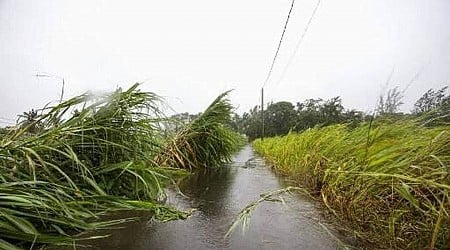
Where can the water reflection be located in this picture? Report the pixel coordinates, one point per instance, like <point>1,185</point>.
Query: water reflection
<point>218,196</point>
<point>208,190</point>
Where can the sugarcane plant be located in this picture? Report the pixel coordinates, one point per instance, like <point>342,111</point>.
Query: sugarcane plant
<point>94,154</point>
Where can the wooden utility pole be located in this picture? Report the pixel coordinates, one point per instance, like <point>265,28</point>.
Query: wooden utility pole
<point>262,113</point>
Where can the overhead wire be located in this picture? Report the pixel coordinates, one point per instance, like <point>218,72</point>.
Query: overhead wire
<point>279,45</point>
<point>299,42</point>
<point>278,50</point>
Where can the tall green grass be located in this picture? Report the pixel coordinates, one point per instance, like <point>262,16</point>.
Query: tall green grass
<point>205,142</point>
<point>388,180</point>
<point>91,155</point>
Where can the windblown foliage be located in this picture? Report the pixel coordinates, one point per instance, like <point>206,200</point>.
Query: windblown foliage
<point>207,141</point>
<point>390,181</point>
<point>94,154</point>
<point>282,117</point>
<point>434,105</point>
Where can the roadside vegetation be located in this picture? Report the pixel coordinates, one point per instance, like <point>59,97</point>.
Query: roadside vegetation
<point>389,181</point>
<point>387,177</point>
<point>202,142</point>
<point>282,117</point>
<point>63,167</point>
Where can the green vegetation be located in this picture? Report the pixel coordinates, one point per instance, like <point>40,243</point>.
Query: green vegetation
<point>282,117</point>
<point>386,175</point>
<point>67,165</point>
<point>63,167</point>
<point>434,105</point>
<point>204,142</point>
<point>389,181</point>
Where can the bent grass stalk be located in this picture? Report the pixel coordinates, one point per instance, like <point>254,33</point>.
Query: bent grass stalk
<point>245,214</point>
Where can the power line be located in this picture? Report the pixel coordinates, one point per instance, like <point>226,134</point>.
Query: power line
<point>279,45</point>
<point>297,46</point>
<point>271,67</point>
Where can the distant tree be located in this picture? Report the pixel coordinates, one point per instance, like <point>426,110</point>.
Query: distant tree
<point>434,106</point>
<point>252,124</point>
<point>332,111</point>
<point>30,121</point>
<point>280,117</point>
<point>236,123</point>
<point>178,121</point>
<point>353,117</point>
<point>185,117</point>
<point>315,112</point>
<point>390,104</point>
<point>308,114</point>
<point>431,100</point>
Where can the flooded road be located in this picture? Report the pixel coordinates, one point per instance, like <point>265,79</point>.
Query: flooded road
<point>218,196</point>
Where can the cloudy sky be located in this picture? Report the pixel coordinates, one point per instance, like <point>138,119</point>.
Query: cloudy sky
<point>190,51</point>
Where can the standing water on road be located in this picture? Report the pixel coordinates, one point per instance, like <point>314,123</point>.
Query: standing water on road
<point>218,196</point>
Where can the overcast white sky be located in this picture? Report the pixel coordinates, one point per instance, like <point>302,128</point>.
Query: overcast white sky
<point>190,51</point>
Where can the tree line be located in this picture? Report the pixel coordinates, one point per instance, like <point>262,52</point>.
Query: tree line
<point>282,117</point>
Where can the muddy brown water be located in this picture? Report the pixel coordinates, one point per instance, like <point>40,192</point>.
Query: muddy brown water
<point>218,196</point>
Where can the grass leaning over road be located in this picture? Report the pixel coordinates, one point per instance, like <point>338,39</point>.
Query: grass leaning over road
<point>390,181</point>
<point>205,142</point>
<point>90,155</point>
